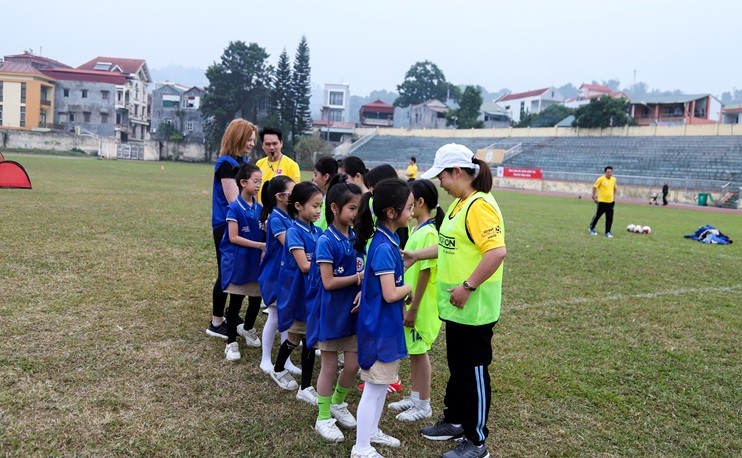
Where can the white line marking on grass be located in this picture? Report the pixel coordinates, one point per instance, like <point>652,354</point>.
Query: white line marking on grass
<point>619,297</point>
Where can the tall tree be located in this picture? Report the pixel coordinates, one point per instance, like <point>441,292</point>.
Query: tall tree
<point>301,90</point>
<point>548,117</point>
<point>467,114</point>
<point>237,86</point>
<point>281,107</point>
<point>422,82</point>
<point>605,111</point>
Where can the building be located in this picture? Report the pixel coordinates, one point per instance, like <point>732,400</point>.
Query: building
<point>130,99</point>
<point>26,97</point>
<point>180,107</point>
<point>516,104</point>
<point>732,114</point>
<point>672,109</point>
<point>587,92</point>
<point>336,103</point>
<point>428,115</point>
<point>37,62</point>
<point>376,114</point>
<point>493,115</point>
<point>85,99</point>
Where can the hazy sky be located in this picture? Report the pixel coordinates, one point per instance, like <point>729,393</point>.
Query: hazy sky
<point>691,45</point>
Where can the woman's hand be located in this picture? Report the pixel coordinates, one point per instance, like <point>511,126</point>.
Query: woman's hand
<point>459,296</point>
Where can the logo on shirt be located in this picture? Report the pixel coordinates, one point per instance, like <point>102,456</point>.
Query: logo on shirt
<point>245,229</point>
<point>279,171</point>
<point>359,264</point>
<point>446,242</point>
<point>339,270</point>
<point>399,280</point>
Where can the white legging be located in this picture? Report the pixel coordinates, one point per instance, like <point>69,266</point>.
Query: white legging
<point>269,335</point>
<point>369,413</point>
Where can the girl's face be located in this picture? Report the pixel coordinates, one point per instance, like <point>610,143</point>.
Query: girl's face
<point>404,217</point>
<point>418,207</point>
<point>347,214</point>
<point>312,209</point>
<point>321,179</point>
<point>282,198</point>
<point>252,184</point>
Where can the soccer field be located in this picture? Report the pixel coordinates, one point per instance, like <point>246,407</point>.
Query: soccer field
<point>606,347</point>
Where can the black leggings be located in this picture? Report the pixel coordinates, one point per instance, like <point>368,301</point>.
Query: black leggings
<point>219,297</point>
<point>233,313</point>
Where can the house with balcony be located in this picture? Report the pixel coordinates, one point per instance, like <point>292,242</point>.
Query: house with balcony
<point>428,115</point>
<point>588,92</point>
<point>517,104</point>
<point>376,114</point>
<point>26,97</point>
<point>180,107</point>
<point>131,98</point>
<point>334,124</point>
<point>676,109</point>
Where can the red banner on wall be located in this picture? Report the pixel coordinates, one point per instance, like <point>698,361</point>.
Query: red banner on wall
<point>509,172</point>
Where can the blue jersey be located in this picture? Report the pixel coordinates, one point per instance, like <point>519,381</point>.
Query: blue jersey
<point>330,318</point>
<point>240,264</point>
<point>295,290</point>
<point>380,329</point>
<point>277,224</point>
<point>219,203</point>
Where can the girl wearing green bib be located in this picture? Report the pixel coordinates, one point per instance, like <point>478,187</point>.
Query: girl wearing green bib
<point>470,252</point>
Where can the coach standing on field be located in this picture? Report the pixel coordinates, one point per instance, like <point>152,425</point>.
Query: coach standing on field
<point>604,192</point>
<point>275,162</point>
<point>470,252</point>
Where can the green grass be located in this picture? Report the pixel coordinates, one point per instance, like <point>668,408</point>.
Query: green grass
<point>622,347</point>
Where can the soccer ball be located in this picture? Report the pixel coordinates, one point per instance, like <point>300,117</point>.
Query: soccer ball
<point>646,230</point>
<point>638,229</point>
<point>630,228</point>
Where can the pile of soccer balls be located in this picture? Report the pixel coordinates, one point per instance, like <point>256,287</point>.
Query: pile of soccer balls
<point>639,229</point>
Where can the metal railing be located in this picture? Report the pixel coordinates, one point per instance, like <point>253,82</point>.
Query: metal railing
<point>361,141</point>
<point>635,180</point>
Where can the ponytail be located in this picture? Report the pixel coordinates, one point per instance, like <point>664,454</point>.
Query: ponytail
<point>439,215</point>
<point>363,224</point>
<point>426,190</point>
<point>483,181</point>
<point>268,194</point>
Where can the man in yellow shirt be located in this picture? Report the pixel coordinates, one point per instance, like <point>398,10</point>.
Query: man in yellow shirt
<point>604,191</point>
<point>411,171</point>
<point>275,162</point>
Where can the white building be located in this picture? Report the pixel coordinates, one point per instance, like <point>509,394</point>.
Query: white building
<point>336,103</point>
<point>529,102</point>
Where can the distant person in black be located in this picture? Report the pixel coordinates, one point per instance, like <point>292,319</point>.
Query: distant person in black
<point>665,191</point>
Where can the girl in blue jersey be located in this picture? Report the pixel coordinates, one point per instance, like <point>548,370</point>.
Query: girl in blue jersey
<point>275,197</point>
<point>381,339</point>
<point>421,316</point>
<point>332,319</point>
<point>241,249</point>
<point>295,289</point>
<point>325,177</point>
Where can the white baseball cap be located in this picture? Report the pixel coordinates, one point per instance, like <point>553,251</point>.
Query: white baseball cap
<point>449,156</point>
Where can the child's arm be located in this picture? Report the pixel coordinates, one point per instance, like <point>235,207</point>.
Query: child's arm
<point>234,237</point>
<point>281,238</point>
<point>301,259</point>
<point>390,291</point>
<point>331,282</point>
<point>411,315</point>
<point>411,257</point>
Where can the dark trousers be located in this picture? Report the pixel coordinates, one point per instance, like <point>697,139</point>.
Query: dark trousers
<point>233,314</point>
<point>219,297</point>
<point>607,208</point>
<point>664,198</point>
<point>468,393</point>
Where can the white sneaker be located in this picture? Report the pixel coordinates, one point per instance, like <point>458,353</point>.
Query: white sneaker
<point>293,370</point>
<point>284,380</point>
<point>341,413</point>
<point>266,366</point>
<point>318,353</point>
<point>308,395</point>
<point>328,430</point>
<point>368,453</point>
<point>384,439</point>
<point>415,414</point>
<point>404,404</point>
<point>251,337</point>
<point>232,352</point>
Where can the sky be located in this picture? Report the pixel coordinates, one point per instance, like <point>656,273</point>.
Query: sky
<point>521,45</point>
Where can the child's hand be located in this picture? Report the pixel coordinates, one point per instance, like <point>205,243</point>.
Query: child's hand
<point>410,316</point>
<point>356,303</point>
<point>408,298</point>
<point>409,258</point>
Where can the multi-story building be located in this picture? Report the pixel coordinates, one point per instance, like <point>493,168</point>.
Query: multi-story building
<point>676,109</point>
<point>179,106</point>
<point>517,104</point>
<point>588,92</point>
<point>336,103</point>
<point>130,99</point>
<point>26,97</point>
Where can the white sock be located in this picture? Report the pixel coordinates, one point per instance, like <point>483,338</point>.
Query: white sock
<point>368,414</point>
<point>415,396</point>
<point>269,334</point>
<point>423,404</point>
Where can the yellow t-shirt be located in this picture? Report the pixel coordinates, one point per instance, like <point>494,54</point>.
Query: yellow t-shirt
<point>483,224</point>
<point>606,188</point>
<point>411,171</point>
<point>284,166</point>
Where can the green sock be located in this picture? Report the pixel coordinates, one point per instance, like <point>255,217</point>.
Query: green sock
<point>338,397</point>
<point>323,403</point>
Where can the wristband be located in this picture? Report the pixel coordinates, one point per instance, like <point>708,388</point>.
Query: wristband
<point>469,287</point>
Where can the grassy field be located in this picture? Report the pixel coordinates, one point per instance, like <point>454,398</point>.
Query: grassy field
<point>606,347</point>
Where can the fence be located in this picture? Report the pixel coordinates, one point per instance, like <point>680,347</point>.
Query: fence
<point>645,181</point>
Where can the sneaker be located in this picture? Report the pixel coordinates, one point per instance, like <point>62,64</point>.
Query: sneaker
<point>442,431</point>
<point>341,413</point>
<point>232,352</point>
<point>284,380</point>
<point>609,235</point>
<point>308,395</point>
<point>217,331</point>
<point>251,337</point>
<point>395,387</point>
<point>466,449</point>
<point>415,414</point>
<point>384,439</point>
<point>404,404</point>
<point>293,370</point>
<point>328,430</point>
<point>368,453</point>
<point>592,231</point>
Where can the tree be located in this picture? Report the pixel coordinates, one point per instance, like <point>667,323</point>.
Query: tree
<point>281,107</point>
<point>425,81</point>
<point>308,148</point>
<point>301,91</point>
<point>605,111</point>
<point>467,114</point>
<point>237,85</point>
<point>548,117</point>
